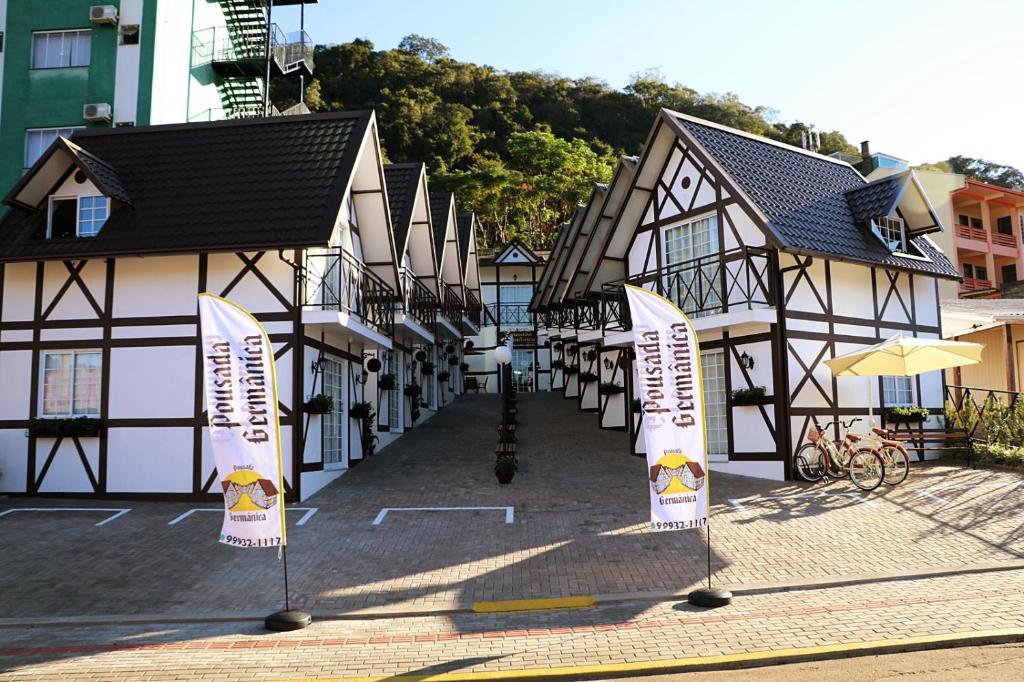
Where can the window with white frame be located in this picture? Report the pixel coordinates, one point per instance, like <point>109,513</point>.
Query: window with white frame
<point>71,383</point>
<point>38,140</point>
<point>77,216</point>
<point>695,288</point>
<point>715,418</point>
<point>897,391</point>
<point>60,49</point>
<point>892,232</point>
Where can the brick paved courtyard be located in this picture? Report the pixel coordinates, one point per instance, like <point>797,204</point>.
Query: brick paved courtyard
<point>578,527</point>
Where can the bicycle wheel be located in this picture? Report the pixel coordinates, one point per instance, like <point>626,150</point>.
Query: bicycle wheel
<point>867,470</point>
<point>837,462</point>
<point>810,463</point>
<point>897,464</point>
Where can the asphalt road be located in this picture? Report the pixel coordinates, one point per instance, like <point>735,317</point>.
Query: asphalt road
<point>995,663</point>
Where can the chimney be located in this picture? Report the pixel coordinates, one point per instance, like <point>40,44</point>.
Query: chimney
<point>865,151</point>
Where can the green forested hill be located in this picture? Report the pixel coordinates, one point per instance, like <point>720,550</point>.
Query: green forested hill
<point>518,148</point>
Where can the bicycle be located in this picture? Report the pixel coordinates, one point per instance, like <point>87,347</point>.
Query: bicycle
<point>823,457</point>
<point>894,456</point>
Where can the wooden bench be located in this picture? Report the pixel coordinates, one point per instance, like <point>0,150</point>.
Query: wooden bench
<point>946,440</point>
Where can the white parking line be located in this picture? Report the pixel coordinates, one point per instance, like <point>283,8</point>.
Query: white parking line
<point>509,511</point>
<point>302,522</point>
<point>115,513</point>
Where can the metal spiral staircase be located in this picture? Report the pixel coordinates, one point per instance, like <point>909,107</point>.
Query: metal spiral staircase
<point>238,54</point>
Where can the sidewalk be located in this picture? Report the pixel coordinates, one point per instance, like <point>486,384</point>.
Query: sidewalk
<point>470,643</point>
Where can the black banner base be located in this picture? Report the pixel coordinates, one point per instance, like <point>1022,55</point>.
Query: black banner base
<point>285,621</point>
<point>709,597</point>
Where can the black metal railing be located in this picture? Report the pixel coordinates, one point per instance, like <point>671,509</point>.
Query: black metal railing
<point>510,313</point>
<point>336,280</point>
<point>420,303</point>
<point>977,411</point>
<point>451,305</point>
<point>473,309</point>
<point>738,279</point>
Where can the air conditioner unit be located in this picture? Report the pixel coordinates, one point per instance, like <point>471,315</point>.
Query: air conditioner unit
<point>103,14</point>
<point>97,113</point>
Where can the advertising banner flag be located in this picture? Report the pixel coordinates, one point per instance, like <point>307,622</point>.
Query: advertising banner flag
<point>671,394</point>
<point>245,429</point>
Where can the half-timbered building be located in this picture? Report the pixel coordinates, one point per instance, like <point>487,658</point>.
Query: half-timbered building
<point>782,257</point>
<point>108,240</point>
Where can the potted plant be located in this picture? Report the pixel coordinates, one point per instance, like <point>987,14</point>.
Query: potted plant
<point>464,367</point>
<point>386,382</point>
<point>449,349</point>
<point>505,470</point>
<point>363,411</point>
<point>427,368</point>
<point>320,404</point>
<point>557,347</point>
<point>570,370</point>
<point>557,364</point>
<point>906,415</point>
<point>755,395</point>
<point>610,388</point>
<point>587,377</point>
<point>412,390</point>
<point>453,360</point>
<point>84,427</point>
<point>444,376</point>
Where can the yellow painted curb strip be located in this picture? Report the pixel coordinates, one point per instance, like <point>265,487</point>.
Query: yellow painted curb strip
<point>697,663</point>
<point>533,604</point>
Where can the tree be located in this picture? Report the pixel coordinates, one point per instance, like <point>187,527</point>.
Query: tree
<point>427,49</point>
<point>987,171</point>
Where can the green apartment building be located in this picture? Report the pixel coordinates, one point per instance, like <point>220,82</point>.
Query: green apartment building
<point>69,64</point>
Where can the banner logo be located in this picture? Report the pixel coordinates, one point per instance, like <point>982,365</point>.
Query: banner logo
<point>675,473</point>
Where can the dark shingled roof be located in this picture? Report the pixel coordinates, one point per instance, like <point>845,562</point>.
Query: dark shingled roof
<point>804,197</point>
<point>877,198</point>
<point>402,183</point>
<point>225,185</point>
<point>103,176</point>
<point>440,202</point>
<point>464,224</point>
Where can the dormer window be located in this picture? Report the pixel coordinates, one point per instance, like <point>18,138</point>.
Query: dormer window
<point>892,232</point>
<point>77,216</point>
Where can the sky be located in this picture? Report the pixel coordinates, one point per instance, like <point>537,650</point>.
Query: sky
<point>920,79</point>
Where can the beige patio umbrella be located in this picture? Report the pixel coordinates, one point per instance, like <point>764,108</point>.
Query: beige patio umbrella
<point>904,356</point>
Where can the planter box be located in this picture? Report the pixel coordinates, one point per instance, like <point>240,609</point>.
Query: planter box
<point>58,428</point>
<point>754,402</point>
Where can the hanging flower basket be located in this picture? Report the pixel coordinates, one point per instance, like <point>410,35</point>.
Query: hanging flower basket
<point>449,349</point>
<point>464,367</point>
<point>571,370</point>
<point>557,347</point>
<point>360,410</point>
<point>85,427</point>
<point>427,368</point>
<point>608,388</point>
<point>587,377</point>
<point>444,376</point>
<point>386,382</point>
<point>453,360</point>
<point>373,365</point>
<point>412,391</point>
<point>591,355</point>
<point>557,364</point>
<point>320,404</point>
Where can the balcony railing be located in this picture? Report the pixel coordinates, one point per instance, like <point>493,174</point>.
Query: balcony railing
<point>975,284</point>
<point>511,313</point>
<point>232,55</point>
<point>979,234</point>
<point>473,309</point>
<point>738,279</point>
<point>420,302</point>
<point>335,280</point>
<point>451,305</point>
